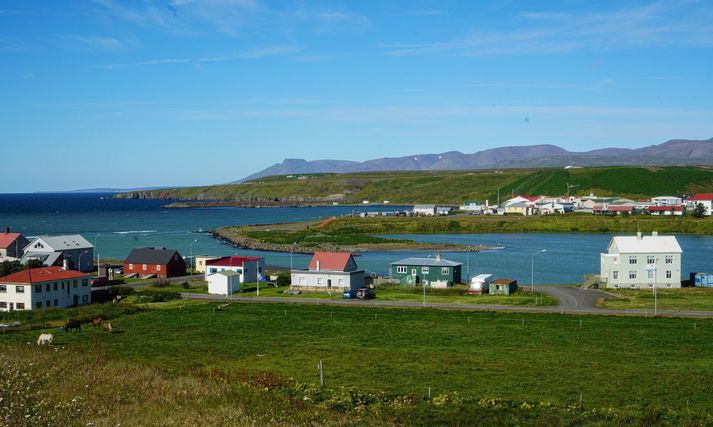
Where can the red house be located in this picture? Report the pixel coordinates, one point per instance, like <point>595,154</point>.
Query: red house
<point>161,262</point>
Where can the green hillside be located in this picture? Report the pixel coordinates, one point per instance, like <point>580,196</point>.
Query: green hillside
<point>451,187</point>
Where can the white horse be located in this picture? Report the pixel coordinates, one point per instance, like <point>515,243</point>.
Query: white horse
<point>45,339</point>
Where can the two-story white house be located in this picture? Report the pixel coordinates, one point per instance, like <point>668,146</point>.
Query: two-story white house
<point>327,272</point>
<point>46,287</point>
<point>705,199</point>
<point>53,250</point>
<point>249,268</point>
<point>642,262</point>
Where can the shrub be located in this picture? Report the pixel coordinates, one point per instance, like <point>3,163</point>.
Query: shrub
<point>156,296</point>
<point>284,279</point>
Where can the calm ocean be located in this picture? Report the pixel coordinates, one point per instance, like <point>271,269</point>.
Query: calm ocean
<point>117,226</point>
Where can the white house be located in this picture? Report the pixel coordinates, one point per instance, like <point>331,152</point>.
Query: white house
<point>474,207</point>
<point>425,210</point>
<point>46,287</point>
<point>443,210</point>
<point>329,271</point>
<point>200,262</point>
<point>249,268</point>
<point>642,262</point>
<point>667,201</point>
<point>705,199</point>
<point>224,282</point>
<point>52,250</point>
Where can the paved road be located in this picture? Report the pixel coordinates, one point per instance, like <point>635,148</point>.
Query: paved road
<point>575,305</point>
<point>573,298</point>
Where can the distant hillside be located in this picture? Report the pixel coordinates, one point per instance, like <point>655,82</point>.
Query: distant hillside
<point>674,152</point>
<point>452,187</point>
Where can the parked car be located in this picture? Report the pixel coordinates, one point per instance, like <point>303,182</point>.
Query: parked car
<point>365,293</point>
<point>100,281</point>
<point>348,294</point>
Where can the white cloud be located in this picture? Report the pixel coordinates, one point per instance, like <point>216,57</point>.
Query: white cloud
<point>660,24</point>
<point>95,42</point>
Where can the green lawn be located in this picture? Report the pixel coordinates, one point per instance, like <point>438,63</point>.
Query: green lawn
<point>629,364</point>
<point>668,299</point>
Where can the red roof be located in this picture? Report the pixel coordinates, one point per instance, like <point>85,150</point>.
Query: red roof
<point>331,261</point>
<point>38,275</point>
<point>503,281</point>
<point>702,197</point>
<point>620,208</point>
<point>231,261</point>
<point>530,198</point>
<point>664,208</point>
<point>7,239</point>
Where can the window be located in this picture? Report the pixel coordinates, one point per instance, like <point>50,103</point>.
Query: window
<point>632,274</point>
<point>669,259</point>
<point>424,270</point>
<point>85,298</point>
<point>38,289</point>
<point>668,274</point>
<point>632,259</point>
<point>20,305</point>
<point>48,303</point>
<point>650,260</point>
<point>131,266</point>
<point>341,283</point>
<point>401,269</point>
<point>445,271</point>
<point>669,285</point>
<point>302,280</point>
<point>212,270</point>
<point>54,286</point>
<point>158,268</point>
<point>144,267</point>
<point>650,274</point>
<point>615,275</point>
<point>74,285</point>
<point>56,302</point>
<point>85,282</point>
<point>48,287</point>
<point>319,281</point>
<point>19,289</point>
<point>3,289</point>
<point>38,304</point>
<point>3,304</point>
<point>616,286</point>
<point>632,286</point>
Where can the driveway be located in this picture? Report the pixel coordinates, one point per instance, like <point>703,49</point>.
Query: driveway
<point>572,298</point>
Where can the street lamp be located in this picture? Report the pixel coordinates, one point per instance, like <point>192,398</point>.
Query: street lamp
<point>532,269</point>
<point>292,249</point>
<point>190,254</point>
<point>97,251</point>
<point>467,263</point>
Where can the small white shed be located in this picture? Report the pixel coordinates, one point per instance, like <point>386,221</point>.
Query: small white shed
<point>480,283</point>
<point>224,283</point>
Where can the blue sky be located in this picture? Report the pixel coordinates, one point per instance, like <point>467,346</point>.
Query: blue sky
<point>108,93</point>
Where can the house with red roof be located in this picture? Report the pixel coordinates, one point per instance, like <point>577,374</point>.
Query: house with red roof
<point>45,287</point>
<point>705,199</point>
<point>328,272</point>
<point>12,244</point>
<point>666,210</point>
<point>250,268</point>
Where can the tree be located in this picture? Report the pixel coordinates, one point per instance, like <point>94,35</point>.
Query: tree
<point>34,263</point>
<point>699,211</point>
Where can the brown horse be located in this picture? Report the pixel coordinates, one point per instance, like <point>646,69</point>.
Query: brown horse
<point>97,321</point>
<point>107,327</point>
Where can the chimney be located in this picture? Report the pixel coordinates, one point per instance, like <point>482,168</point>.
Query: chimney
<point>486,203</point>
<point>65,264</point>
<point>638,235</point>
<point>318,265</point>
<point>7,230</point>
<point>654,233</point>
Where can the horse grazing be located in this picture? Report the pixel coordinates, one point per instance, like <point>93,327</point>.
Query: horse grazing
<point>107,327</point>
<point>45,339</point>
<point>75,325</point>
<point>97,321</point>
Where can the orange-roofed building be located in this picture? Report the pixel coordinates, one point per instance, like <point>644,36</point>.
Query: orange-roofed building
<point>46,287</point>
<point>329,271</point>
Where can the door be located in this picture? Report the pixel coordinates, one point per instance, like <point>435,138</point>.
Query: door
<point>329,283</point>
<point>75,300</point>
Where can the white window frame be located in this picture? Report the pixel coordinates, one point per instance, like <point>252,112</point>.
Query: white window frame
<point>669,274</point>
<point>632,259</point>
<point>669,259</point>
<point>158,268</point>
<point>615,275</point>
<point>424,270</point>
<point>20,289</point>
<point>445,271</point>
<point>144,267</point>
<point>632,274</point>
<point>650,274</point>
<point>650,259</point>
<point>401,269</point>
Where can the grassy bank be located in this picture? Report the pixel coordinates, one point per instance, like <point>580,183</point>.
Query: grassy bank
<point>668,299</point>
<point>453,295</point>
<point>379,365</point>
<point>453,187</point>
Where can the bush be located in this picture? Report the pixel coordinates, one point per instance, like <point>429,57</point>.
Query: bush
<point>156,296</point>
<point>284,279</point>
<point>185,285</point>
<point>160,283</point>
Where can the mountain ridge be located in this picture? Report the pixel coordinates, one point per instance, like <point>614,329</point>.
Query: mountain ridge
<point>672,152</point>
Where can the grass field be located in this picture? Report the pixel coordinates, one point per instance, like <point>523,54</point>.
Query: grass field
<point>625,370</point>
<point>453,187</point>
<point>668,299</point>
<point>453,295</point>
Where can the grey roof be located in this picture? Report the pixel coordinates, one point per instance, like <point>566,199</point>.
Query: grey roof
<point>431,262</point>
<point>48,258</point>
<point>60,243</point>
<point>424,207</point>
<point>227,273</point>
<point>155,256</point>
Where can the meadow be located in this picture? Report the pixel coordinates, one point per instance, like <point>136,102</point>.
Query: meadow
<point>451,187</point>
<point>495,368</point>
<point>667,299</point>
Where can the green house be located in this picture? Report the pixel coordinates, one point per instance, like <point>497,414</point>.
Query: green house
<point>430,271</point>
